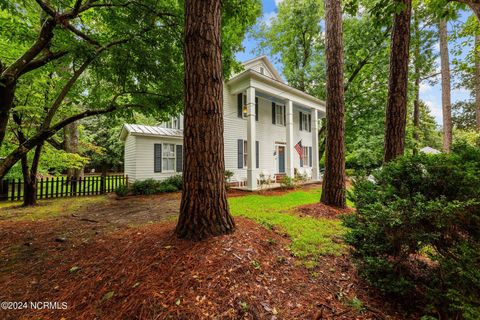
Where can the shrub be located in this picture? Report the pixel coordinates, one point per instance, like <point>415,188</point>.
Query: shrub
<point>287,182</point>
<point>425,205</point>
<point>146,187</point>
<point>122,191</point>
<point>176,181</point>
<point>167,187</point>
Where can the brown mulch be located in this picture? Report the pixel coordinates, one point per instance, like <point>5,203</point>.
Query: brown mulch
<point>147,273</point>
<point>319,210</point>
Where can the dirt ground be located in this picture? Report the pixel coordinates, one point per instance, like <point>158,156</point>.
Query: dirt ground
<point>120,259</point>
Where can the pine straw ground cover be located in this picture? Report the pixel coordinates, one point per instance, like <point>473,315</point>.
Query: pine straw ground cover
<point>145,272</point>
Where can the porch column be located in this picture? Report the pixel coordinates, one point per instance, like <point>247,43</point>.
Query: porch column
<point>315,160</point>
<point>251,138</point>
<point>290,143</point>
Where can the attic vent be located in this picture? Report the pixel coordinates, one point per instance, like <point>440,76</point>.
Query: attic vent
<point>262,70</point>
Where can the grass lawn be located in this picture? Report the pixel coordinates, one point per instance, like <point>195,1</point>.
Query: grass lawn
<point>310,236</point>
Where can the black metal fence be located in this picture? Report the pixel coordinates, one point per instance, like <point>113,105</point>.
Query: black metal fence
<point>56,187</point>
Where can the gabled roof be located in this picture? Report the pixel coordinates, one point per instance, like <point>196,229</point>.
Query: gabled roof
<point>154,131</point>
<point>263,59</point>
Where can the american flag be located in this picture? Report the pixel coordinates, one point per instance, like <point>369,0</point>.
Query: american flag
<point>299,149</point>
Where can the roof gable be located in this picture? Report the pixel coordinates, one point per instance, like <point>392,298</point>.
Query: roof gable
<point>264,66</point>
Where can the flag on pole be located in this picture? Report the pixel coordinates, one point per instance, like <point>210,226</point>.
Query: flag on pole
<point>299,149</point>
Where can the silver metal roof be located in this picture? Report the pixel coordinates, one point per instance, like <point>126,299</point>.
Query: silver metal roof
<point>152,130</point>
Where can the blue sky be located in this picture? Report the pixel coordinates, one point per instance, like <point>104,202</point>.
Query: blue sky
<point>430,94</point>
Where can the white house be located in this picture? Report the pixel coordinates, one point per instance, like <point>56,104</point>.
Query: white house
<point>264,119</point>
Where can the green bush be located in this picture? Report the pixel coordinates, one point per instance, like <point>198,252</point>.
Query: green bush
<point>176,181</point>
<point>146,187</point>
<point>417,229</point>
<point>287,182</point>
<point>122,191</point>
<point>167,187</point>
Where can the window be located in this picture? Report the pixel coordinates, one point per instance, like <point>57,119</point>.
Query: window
<point>262,70</point>
<point>168,157</point>
<point>305,122</point>
<point>306,157</point>
<point>244,153</point>
<point>280,114</point>
<point>245,107</point>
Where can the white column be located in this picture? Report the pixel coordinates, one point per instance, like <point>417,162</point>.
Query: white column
<point>251,138</point>
<point>290,143</point>
<point>315,164</point>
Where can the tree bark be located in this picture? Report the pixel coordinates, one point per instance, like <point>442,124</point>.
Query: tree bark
<point>71,139</point>
<point>477,77</point>
<point>396,113</point>
<point>333,191</point>
<point>204,210</point>
<point>7,94</point>
<point>446,88</point>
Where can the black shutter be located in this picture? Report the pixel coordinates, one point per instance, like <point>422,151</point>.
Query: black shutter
<point>157,157</point>
<point>309,123</point>
<point>179,158</point>
<point>256,108</point>
<point>240,153</point>
<point>273,113</point>
<point>257,154</point>
<point>310,156</point>
<point>301,124</point>
<point>284,115</point>
<point>240,105</point>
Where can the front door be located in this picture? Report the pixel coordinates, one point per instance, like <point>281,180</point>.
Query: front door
<point>281,159</point>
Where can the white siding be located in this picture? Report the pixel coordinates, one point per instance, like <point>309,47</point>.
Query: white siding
<point>144,151</point>
<point>130,157</point>
<point>267,134</point>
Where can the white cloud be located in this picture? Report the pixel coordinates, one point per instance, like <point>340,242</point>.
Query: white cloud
<point>277,2</point>
<point>435,109</point>
<point>425,87</point>
<point>267,17</point>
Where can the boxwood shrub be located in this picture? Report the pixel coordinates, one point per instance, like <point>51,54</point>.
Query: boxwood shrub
<point>417,230</point>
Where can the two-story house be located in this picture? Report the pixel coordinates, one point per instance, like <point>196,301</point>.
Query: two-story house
<point>270,129</point>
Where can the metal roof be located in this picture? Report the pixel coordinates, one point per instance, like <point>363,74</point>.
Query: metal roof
<point>157,131</point>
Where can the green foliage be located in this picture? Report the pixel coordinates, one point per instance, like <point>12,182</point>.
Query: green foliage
<point>422,205</point>
<point>287,182</point>
<point>176,181</point>
<point>151,186</point>
<point>122,191</point>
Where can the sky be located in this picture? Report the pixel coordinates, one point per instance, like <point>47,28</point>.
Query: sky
<point>430,94</point>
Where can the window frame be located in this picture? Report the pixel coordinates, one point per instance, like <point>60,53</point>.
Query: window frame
<point>280,114</point>
<point>245,154</point>
<point>306,156</point>
<point>168,157</point>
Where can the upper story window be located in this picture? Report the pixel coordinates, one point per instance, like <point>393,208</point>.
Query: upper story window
<point>280,114</point>
<point>262,70</point>
<point>305,122</point>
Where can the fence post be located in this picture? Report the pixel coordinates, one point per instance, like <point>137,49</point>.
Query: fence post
<point>4,190</point>
<point>103,180</point>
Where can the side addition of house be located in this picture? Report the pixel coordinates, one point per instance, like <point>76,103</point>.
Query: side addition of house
<point>271,129</point>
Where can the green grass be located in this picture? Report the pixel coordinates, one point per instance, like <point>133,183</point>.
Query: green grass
<point>311,237</point>
<point>46,208</point>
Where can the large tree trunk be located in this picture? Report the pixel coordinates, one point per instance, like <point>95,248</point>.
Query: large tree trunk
<point>396,113</point>
<point>333,191</point>
<point>477,76</point>
<point>204,208</point>
<point>7,94</point>
<point>446,88</point>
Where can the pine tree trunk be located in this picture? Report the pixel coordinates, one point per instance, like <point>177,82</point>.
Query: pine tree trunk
<point>333,191</point>
<point>396,113</point>
<point>204,210</point>
<point>446,88</point>
<point>477,77</point>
